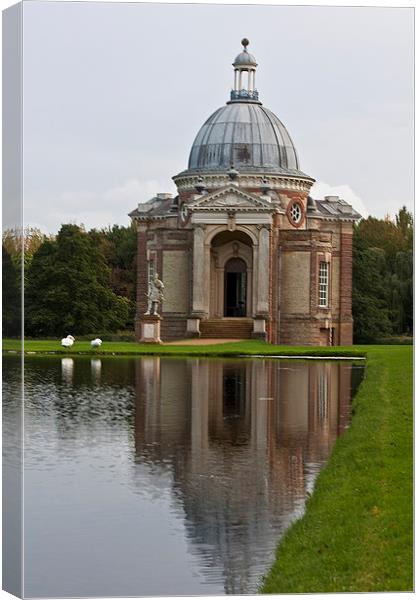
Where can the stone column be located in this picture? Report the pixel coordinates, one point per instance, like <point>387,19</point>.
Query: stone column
<point>261,284</point>
<point>220,295</point>
<point>263,272</point>
<point>200,287</point>
<point>200,275</point>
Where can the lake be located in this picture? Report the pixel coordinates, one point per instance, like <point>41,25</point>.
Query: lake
<point>157,476</point>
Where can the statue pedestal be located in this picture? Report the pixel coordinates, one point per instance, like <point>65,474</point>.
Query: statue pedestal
<point>150,329</point>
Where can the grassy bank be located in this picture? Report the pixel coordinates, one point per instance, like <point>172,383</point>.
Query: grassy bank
<point>132,348</point>
<point>356,534</point>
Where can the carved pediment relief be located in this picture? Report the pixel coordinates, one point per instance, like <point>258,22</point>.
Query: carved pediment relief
<point>231,198</point>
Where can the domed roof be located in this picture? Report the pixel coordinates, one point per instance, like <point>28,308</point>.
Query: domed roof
<point>247,135</point>
<point>244,58</point>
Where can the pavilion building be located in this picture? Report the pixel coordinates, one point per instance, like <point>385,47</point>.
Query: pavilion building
<point>243,249</point>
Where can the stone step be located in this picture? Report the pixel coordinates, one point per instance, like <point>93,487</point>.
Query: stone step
<point>239,328</point>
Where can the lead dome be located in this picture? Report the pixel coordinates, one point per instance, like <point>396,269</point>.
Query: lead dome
<point>244,133</point>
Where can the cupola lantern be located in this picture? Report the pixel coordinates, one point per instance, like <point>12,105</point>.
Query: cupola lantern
<point>244,79</point>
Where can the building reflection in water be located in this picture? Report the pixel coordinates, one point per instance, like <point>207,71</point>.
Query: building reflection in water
<point>244,441</point>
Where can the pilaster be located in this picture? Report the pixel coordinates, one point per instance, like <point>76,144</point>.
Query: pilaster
<point>263,272</point>
<point>201,274</point>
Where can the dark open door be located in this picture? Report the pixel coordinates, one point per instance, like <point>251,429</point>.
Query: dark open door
<point>235,288</point>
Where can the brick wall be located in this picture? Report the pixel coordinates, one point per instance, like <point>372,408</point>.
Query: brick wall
<point>295,282</point>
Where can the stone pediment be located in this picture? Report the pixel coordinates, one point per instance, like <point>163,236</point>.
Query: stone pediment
<point>231,199</point>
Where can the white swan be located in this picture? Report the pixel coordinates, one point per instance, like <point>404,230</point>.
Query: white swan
<point>96,343</point>
<point>68,341</point>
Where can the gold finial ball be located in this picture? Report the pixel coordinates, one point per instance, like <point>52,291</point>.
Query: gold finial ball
<point>245,42</point>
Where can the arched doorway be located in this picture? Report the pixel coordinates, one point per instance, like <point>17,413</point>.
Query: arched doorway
<point>235,288</point>
<point>231,275</point>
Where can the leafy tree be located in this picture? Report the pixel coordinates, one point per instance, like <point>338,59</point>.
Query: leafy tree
<point>401,291</point>
<point>404,222</point>
<point>68,288</point>
<point>119,246</point>
<point>383,277</point>
<point>11,296</point>
<point>381,233</point>
<point>27,241</point>
<point>370,309</point>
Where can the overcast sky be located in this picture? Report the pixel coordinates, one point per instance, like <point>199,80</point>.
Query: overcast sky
<point>114,95</point>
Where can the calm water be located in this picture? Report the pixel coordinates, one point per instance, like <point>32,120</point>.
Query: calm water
<point>162,476</point>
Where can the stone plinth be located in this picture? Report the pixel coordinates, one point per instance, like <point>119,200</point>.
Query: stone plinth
<point>259,328</point>
<point>193,327</point>
<point>150,329</point>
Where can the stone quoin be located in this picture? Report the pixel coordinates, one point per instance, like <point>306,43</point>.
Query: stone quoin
<point>243,250</point>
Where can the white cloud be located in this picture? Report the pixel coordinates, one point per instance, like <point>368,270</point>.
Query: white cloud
<point>344,191</point>
<point>95,209</point>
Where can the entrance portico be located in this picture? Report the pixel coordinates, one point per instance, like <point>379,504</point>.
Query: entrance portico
<point>231,273</point>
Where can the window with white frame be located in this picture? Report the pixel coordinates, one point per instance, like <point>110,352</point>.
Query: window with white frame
<point>323,283</point>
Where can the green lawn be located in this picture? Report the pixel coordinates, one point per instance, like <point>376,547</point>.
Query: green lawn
<point>229,349</point>
<point>356,534</point>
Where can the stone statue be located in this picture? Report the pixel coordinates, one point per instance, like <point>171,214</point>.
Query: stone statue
<point>154,295</point>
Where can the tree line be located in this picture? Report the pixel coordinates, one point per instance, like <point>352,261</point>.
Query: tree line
<point>383,277</point>
<point>78,281</point>
<point>83,282</point>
